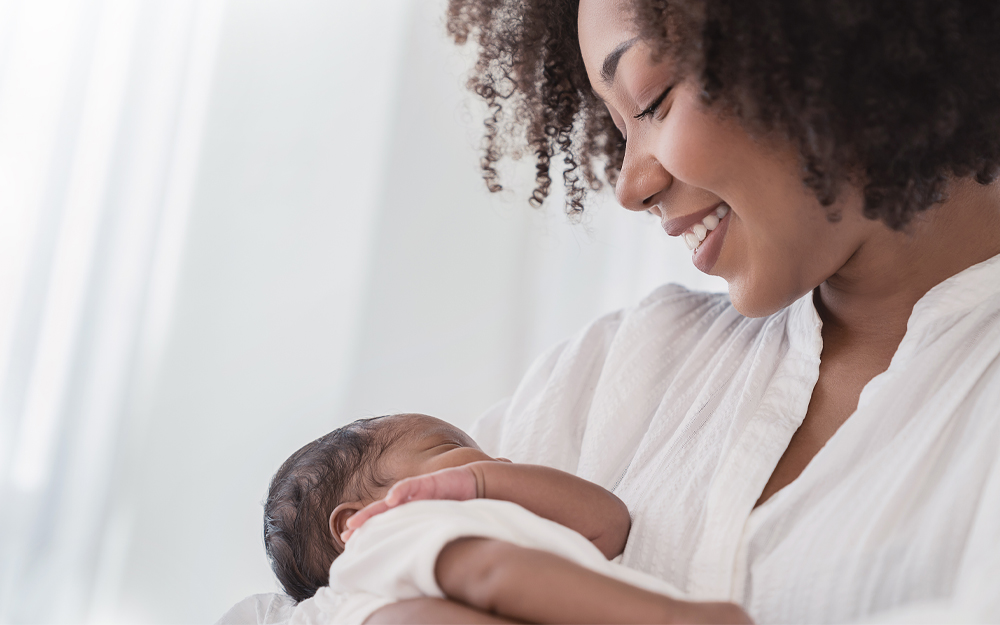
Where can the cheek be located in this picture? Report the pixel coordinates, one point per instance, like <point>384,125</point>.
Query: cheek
<point>770,253</point>
<point>703,149</point>
<point>700,149</point>
<point>783,246</point>
<point>779,244</point>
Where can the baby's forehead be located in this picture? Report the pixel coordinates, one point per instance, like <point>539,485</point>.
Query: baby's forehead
<point>413,426</point>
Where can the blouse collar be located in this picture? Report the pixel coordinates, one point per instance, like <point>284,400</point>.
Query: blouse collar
<point>962,293</point>
<point>959,294</point>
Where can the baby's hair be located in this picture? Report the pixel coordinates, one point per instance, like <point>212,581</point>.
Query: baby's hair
<point>303,493</point>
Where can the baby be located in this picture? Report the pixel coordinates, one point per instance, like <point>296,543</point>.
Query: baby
<point>486,554</point>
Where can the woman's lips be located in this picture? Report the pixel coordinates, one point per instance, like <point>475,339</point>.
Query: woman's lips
<point>677,226</point>
<point>703,233</point>
<point>698,232</point>
<point>707,253</point>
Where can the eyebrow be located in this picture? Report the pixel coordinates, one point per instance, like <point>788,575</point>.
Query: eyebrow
<point>611,61</point>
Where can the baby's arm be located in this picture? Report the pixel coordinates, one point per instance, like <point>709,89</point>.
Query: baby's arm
<point>540,587</point>
<point>555,495</point>
<point>558,496</point>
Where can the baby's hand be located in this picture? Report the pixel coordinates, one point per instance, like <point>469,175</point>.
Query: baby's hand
<point>456,483</point>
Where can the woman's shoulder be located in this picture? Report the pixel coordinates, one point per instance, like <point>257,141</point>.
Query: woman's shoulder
<point>669,310</point>
<point>677,300</point>
<point>672,294</point>
<point>672,313</point>
<point>669,329</point>
<point>669,313</point>
<point>666,303</point>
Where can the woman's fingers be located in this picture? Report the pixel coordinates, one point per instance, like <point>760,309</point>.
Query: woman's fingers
<point>711,612</point>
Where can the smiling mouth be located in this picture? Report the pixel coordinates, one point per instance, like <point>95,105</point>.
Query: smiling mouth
<point>696,234</point>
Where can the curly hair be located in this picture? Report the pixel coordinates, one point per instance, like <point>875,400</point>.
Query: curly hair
<point>303,493</point>
<point>894,95</point>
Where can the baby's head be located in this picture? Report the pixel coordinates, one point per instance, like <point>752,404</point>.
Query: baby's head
<point>323,484</point>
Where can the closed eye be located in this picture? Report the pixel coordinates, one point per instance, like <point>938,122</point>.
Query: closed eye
<point>650,110</point>
<point>447,444</point>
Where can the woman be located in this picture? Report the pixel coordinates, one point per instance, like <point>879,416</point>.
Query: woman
<point>824,444</point>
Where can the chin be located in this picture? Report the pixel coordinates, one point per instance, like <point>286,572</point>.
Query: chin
<point>755,300</point>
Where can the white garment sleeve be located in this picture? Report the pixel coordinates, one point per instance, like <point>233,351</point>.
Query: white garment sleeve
<point>585,405</point>
<point>488,427</point>
<point>330,607</point>
<point>263,609</point>
<point>543,422</point>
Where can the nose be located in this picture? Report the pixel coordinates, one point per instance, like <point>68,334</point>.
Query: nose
<point>642,177</point>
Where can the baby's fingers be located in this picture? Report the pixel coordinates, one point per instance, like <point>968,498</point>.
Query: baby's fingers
<point>410,489</point>
<point>457,483</point>
<point>358,518</point>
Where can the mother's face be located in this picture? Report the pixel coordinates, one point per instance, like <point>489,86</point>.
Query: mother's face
<point>684,162</point>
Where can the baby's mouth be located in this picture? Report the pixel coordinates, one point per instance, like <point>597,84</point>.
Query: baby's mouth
<point>696,234</point>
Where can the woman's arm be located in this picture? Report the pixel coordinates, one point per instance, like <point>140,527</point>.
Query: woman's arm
<point>540,587</point>
<point>429,611</point>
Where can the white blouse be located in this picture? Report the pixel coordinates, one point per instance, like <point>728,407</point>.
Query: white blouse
<point>683,408</point>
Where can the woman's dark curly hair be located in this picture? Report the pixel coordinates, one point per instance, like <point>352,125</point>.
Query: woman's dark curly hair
<point>897,95</point>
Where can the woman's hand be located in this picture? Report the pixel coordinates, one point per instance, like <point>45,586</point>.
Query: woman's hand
<point>455,483</point>
<point>430,610</point>
<point>536,586</point>
<point>710,612</point>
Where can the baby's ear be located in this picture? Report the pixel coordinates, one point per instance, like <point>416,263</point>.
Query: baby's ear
<point>338,521</point>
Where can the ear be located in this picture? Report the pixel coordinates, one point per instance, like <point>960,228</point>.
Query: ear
<point>338,521</point>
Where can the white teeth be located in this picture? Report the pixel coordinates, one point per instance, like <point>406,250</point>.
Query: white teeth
<point>698,232</point>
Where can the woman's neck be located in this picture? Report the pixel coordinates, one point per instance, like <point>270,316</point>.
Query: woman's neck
<point>869,300</point>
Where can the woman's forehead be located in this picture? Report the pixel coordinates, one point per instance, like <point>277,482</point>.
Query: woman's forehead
<point>606,36</point>
<point>603,26</point>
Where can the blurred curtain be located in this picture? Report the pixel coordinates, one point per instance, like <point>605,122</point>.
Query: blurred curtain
<point>101,108</point>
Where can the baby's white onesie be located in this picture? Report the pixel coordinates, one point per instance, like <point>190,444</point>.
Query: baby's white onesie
<point>392,556</point>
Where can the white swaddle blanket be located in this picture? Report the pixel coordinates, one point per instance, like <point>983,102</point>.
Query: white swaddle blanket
<point>392,556</point>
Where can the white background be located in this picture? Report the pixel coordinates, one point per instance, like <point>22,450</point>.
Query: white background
<point>335,255</point>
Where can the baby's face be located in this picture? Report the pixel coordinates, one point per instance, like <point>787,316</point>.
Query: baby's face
<point>420,445</point>
<point>425,445</point>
